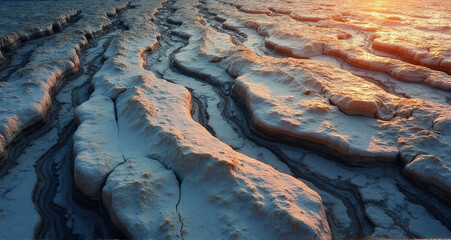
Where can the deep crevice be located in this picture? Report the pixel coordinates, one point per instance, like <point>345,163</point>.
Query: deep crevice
<point>341,190</point>
<point>17,54</point>
<point>57,217</point>
<point>179,181</point>
<point>224,96</point>
<point>37,33</point>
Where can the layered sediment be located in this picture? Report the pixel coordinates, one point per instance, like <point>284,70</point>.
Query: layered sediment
<point>230,119</point>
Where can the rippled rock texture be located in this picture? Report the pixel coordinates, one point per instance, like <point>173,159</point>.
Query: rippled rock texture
<point>199,119</point>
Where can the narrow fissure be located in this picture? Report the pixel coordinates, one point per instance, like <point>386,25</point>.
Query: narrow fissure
<point>177,206</point>
<point>18,54</point>
<point>62,207</point>
<point>161,52</point>
<point>341,190</point>
<point>65,212</point>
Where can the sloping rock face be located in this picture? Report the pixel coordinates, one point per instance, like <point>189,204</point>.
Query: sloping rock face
<point>26,93</point>
<point>218,192</point>
<point>233,119</point>
<point>306,100</point>
<point>96,148</point>
<point>142,197</point>
<point>216,182</point>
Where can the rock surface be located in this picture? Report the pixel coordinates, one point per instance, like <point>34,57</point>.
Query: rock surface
<point>25,96</point>
<point>226,119</point>
<point>142,197</point>
<point>231,187</point>
<point>96,147</point>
